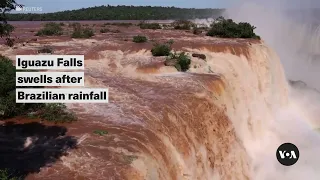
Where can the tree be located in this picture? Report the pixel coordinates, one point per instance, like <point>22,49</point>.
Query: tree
<point>7,90</point>
<point>5,28</point>
<point>8,105</point>
<point>9,108</point>
<point>227,28</point>
<point>120,13</point>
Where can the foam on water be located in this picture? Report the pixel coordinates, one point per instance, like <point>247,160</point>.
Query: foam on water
<point>297,44</point>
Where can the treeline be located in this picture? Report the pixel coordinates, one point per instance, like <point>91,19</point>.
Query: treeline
<point>120,13</point>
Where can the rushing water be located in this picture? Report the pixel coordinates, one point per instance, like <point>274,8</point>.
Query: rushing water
<point>298,45</point>
<point>203,126</point>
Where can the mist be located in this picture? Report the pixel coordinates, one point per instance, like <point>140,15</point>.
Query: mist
<point>292,29</point>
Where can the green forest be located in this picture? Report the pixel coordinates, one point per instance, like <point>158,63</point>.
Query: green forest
<point>120,13</point>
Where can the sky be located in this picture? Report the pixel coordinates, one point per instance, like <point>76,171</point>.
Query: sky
<point>60,5</point>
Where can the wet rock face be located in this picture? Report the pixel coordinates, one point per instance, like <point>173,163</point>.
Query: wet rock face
<point>299,84</point>
<point>201,56</point>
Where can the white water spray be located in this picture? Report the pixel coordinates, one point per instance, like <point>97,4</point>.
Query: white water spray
<point>298,45</point>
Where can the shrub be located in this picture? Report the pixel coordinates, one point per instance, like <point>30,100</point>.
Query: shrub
<point>79,32</point>
<point>183,24</point>
<point>227,28</point>
<point>180,61</point>
<point>104,30</point>
<point>50,29</point>
<point>150,26</point>
<point>115,31</point>
<point>9,42</point>
<point>197,31</point>
<point>6,29</point>
<point>5,175</point>
<point>100,132</point>
<point>184,62</point>
<point>7,88</point>
<point>8,106</point>
<point>45,50</point>
<point>75,25</point>
<point>166,26</point>
<point>161,50</point>
<point>56,112</point>
<point>122,24</point>
<point>7,71</point>
<point>170,42</point>
<point>87,32</point>
<point>139,39</point>
<point>61,24</point>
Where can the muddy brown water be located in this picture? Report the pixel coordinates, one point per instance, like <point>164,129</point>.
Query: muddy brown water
<point>139,114</point>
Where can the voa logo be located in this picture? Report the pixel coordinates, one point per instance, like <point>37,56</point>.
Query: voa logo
<point>287,154</point>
